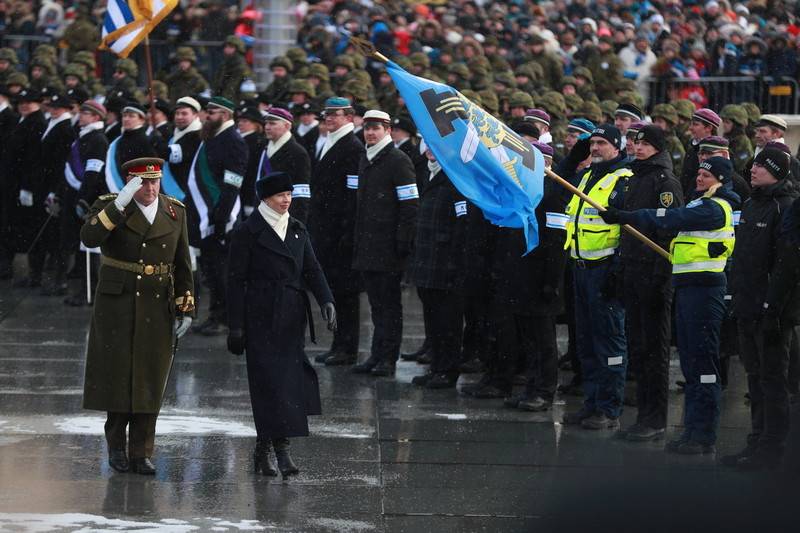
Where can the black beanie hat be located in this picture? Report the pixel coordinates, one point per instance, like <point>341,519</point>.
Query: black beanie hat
<point>652,135</point>
<point>272,184</point>
<point>720,167</point>
<point>610,133</point>
<point>775,160</point>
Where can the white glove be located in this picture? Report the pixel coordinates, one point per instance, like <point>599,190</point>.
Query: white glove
<point>25,198</point>
<point>126,194</point>
<point>182,325</point>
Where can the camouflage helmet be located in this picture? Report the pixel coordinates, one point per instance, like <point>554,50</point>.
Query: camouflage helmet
<point>520,99</point>
<point>302,86</point>
<point>472,96</point>
<point>489,101</point>
<point>359,61</point>
<point>84,57</point>
<point>625,84</point>
<point>506,78</point>
<point>404,62</point>
<point>573,102</point>
<point>318,70</point>
<point>478,70</point>
<point>734,113</point>
<point>9,55</point>
<point>43,63</point>
<point>665,111</point>
<point>420,59</point>
<point>17,78</point>
<point>499,63</point>
<point>46,50</point>
<point>569,80</point>
<point>236,42</point>
<point>553,102</point>
<point>344,61</point>
<point>590,111</point>
<point>753,112</point>
<point>583,72</point>
<point>362,76</point>
<point>186,53</point>
<point>460,70</point>
<point>281,61</point>
<point>297,55</point>
<point>359,91</point>
<point>75,70</point>
<point>128,67</point>
<point>609,107</point>
<point>630,97</point>
<point>685,108</point>
<point>160,91</point>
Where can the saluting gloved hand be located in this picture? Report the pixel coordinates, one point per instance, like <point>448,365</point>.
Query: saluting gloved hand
<point>610,215</point>
<point>236,341</point>
<point>82,209</point>
<point>126,194</point>
<point>329,315</point>
<point>182,325</point>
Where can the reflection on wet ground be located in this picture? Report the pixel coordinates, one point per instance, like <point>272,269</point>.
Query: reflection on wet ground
<point>385,456</point>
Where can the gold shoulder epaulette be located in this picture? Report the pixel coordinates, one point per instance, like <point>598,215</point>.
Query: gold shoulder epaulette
<point>176,201</point>
<point>108,197</point>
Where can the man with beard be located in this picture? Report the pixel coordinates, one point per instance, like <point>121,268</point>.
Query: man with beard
<point>284,154</point>
<point>332,217</point>
<point>82,185</point>
<point>215,180</point>
<point>22,156</point>
<point>250,123</point>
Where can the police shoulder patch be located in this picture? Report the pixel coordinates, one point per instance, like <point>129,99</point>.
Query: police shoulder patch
<point>666,199</point>
<point>108,197</point>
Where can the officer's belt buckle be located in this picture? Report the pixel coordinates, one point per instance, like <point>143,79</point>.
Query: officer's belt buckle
<point>149,270</point>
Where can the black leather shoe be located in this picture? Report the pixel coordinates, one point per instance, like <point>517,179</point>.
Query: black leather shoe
<point>472,388</point>
<point>285,463</point>
<point>341,358</point>
<point>383,369</point>
<point>422,380</point>
<point>425,359</point>
<point>473,366</point>
<point>490,392</point>
<point>118,460</point>
<point>262,459</point>
<point>321,357</point>
<point>143,466</point>
<point>733,460</point>
<point>535,404</point>
<point>643,433</point>
<point>366,367</point>
<point>442,381</point>
<point>413,356</point>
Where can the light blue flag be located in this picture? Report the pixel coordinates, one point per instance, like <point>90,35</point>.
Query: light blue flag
<point>495,168</point>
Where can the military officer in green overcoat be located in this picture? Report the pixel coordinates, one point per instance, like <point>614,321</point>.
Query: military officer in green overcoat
<point>143,302</point>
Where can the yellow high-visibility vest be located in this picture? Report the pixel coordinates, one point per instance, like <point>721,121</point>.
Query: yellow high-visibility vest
<point>690,248</point>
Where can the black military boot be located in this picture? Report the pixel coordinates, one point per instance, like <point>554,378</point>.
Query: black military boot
<point>262,458</point>
<point>414,355</point>
<point>383,369</point>
<point>285,463</point>
<point>143,466</point>
<point>367,366</point>
<point>118,460</point>
<point>341,358</point>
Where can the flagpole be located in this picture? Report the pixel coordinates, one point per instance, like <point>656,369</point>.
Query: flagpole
<point>627,227</point>
<point>149,66</point>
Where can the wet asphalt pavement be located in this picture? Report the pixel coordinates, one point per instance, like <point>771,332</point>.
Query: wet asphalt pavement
<point>385,456</point>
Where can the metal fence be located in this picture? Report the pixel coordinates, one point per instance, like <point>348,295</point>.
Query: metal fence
<point>772,95</point>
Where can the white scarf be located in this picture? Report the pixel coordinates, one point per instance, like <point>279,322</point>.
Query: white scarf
<point>108,128</point>
<point>302,129</point>
<point>274,146</point>
<point>375,149</point>
<point>54,121</point>
<point>194,125</point>
<point>278,222</point>
<point>401,143</point>
<point>90,128</point>
<point>434,167</point>
<point>334,136</point>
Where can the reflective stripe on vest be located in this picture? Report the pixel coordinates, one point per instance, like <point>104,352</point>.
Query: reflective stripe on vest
<point>690,248</point>
<point>588,235</point>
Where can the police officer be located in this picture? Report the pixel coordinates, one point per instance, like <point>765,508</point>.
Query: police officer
<point>699,255</point>
<point>647,286</point>
<point>763,307</point>
<point>214,184</point>
<point>144,291</point>
<point>772,128</point>
<point>284,154</point>
<point>384,233</point>
<point>83,183</point>
<point>599,313</point>
<point>332,217</point>
<point>250,123</point>
<point>704,123</point>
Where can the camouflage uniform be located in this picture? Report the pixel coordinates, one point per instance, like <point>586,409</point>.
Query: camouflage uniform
<point>233,71</point>
<point>674,146</point>
<point>740,147</point>
<point>185,82</point>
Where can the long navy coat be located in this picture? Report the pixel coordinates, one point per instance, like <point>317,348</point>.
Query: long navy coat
<point>267,279</point>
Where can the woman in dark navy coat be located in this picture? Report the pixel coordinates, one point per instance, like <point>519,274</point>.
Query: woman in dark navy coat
<point>271,266</point>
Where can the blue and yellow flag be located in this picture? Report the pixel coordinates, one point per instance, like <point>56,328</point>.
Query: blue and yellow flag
<point>495,168</point>
<point>128,22</point>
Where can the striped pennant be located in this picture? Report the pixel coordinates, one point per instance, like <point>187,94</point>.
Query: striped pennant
<point>128,22</point>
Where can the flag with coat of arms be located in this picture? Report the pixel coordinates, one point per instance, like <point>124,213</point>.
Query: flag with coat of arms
<point>128,22</point>
<point>495,168</point>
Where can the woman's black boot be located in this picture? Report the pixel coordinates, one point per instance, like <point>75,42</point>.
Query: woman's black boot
<point>285,463</point>
<point>262,458</point>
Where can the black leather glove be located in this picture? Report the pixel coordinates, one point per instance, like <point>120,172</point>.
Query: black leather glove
<point>610,285</point>
<point>549,294</point>
<point>236,341</point>
<point>329,315</point>
<point>610,215</point>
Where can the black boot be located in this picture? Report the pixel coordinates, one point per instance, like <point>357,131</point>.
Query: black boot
<point>414,355</point>
<point>143,466</point>
<point>263,459</point>
<point>118,460</point>
<point>285,463</point>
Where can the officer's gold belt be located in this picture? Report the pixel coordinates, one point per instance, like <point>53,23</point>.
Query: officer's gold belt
<point>138,268</point>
